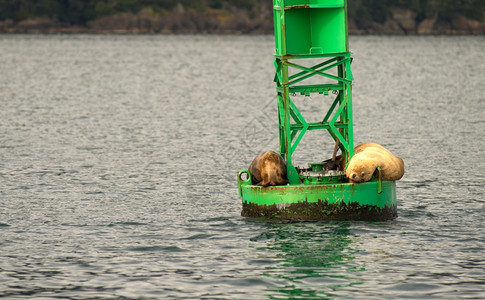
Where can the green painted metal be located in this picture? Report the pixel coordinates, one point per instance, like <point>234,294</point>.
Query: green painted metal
<point>316,30</point>
<point>310,27</point>
<point>373,200</point>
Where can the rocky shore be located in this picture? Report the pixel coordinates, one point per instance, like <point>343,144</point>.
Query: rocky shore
<point>400,21</point>
<point>405,21</point>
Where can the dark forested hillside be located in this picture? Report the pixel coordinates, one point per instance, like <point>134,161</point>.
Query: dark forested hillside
<point>232,16</point>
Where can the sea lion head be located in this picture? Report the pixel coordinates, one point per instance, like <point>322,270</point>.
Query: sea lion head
<point>272,177</point>
<point>358,175</point>
<point>360,169</point>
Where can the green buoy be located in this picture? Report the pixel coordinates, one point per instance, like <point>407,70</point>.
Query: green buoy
<point>309,31</point>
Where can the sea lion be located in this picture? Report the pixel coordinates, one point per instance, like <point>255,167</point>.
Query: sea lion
<point>334,164</point>
<point>268,169</point>
<point>367,157</point>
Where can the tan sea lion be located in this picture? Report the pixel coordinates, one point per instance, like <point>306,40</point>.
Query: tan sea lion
<point>367,157</point>
<point>268,169</point>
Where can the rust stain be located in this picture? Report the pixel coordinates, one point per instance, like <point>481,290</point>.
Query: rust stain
<point>289,188</point>
<point>323,210</point>
<point>297,6</point>
<point>290,56</point>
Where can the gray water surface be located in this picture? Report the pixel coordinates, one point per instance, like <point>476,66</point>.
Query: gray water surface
<point>119,155</point>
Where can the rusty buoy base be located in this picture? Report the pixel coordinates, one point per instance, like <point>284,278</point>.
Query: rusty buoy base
<point>321,210</point>
<point>373,200</point>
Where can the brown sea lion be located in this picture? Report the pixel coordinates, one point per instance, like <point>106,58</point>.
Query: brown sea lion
<point>268,169</point>
<point>367,157</point>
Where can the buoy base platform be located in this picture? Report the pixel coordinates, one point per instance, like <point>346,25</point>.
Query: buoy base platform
<point>373,200</point>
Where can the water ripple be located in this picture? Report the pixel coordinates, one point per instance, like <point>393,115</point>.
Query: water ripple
<point>120,154</point>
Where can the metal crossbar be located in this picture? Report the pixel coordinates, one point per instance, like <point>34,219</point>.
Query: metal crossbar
<point>312,71</point>
<point>319,72</point>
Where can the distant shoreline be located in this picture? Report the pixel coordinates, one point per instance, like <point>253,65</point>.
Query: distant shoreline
<point>401,23</point>
<point>404,17</point>
<point>77,30</point>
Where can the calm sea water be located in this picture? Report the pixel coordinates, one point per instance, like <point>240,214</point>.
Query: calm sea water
<point>119,155</point>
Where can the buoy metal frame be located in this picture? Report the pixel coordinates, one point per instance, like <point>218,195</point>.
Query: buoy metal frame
<point>316,30</point>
